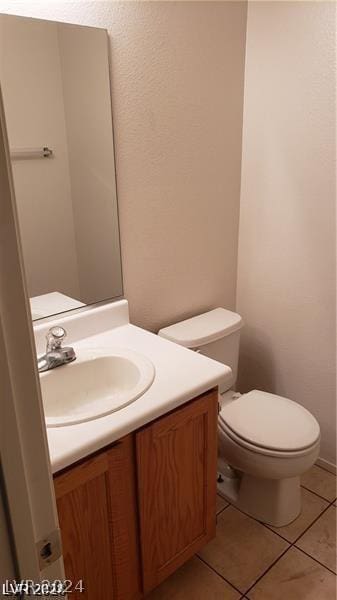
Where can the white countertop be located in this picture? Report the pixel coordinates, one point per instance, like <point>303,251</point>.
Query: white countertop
<point>52,304</point>
<point>181,375</point>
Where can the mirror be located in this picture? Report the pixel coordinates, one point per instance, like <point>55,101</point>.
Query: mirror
<point>56,89</point>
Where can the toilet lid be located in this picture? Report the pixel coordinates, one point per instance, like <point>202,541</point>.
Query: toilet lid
<point>270,421</point>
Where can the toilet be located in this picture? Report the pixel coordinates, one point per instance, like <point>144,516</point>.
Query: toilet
<point>265,442</point>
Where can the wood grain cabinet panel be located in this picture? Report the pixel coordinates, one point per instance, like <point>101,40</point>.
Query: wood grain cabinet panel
<point>176,463</point>
<point>96,502</point>
<point>131,514</point>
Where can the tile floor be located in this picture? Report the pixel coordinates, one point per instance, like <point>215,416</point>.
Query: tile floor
<point>249,560</point>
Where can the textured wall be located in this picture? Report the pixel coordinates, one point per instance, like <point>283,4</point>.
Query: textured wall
<point>177,84</point>
<point>286,285</point>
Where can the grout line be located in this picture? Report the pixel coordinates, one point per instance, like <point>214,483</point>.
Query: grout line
<point>274,563</point>
<point>285,552</point>
<point>221,511</point>
<point>311,524</point>
<point>315,559</point>
<point>304,530</point>
<point>270,566</point>
<point>290,545</point>
<point>276,533</point>
<point>319,495</point>
<point>247,515</point>
<point>324,469</point>
<point>219,575</point>
<point>266,571</point>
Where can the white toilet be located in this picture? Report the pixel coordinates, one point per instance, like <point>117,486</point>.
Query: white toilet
<point>266,442</point>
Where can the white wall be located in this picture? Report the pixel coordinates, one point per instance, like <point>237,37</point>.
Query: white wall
<point>32,88</point>
<point>177,86</point>
<point>286,276</point>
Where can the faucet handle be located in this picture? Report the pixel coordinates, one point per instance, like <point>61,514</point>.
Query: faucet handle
<point>55,337</point>
<point>56,354</point>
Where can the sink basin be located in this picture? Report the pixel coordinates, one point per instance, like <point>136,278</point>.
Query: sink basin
<point>97,383</point>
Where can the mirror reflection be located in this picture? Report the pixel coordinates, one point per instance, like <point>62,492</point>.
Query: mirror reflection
<point>56,88</point>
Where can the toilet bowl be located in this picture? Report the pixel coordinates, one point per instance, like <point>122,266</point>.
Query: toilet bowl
<point>265,441</point>
<point>269,441</point>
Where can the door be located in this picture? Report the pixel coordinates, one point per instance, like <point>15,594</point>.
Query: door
<point>176,457</point>
<point>97,507</point>
<point>7,558</point>
<point>26,477</point>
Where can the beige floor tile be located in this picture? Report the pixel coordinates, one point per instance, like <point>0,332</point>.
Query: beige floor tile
<point>242,549</point>
<point>295,577</point>
<point>312,506</point>
<point>194,581</point>
<point>320,481</point>
<point>220,504</point>
<point>320,539</point>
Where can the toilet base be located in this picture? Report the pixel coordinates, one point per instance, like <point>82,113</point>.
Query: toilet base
<point>276,502</point>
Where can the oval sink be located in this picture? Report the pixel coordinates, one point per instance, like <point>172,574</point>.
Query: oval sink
<point>97,383</point>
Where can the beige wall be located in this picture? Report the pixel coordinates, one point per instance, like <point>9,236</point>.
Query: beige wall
<point>286,284</point>
<point>177,79</point>
<point>178,85</point>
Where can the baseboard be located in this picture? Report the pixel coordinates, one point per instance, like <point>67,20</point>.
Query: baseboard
<point>328,466</point>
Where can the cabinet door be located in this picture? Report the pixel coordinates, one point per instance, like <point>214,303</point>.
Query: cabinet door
<point>176,458</point>
<point>96,503</point>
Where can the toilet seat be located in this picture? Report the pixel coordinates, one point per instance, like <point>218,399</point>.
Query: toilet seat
<point>269,424</point>
<point>223,431</point>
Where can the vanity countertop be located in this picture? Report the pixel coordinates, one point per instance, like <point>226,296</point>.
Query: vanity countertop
<point>181,375</point>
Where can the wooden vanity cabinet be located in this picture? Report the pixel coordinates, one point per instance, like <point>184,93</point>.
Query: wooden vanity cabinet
<point>97,509</point>
<point>176,465</point>
<point>134,512</point>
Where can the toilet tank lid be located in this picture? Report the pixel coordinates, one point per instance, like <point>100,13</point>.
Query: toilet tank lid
<point>203,329</point>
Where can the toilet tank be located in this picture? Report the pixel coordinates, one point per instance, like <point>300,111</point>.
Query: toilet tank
<point>215,334</point>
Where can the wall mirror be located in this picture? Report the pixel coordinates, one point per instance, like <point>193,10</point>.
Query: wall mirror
<point>55,81</point>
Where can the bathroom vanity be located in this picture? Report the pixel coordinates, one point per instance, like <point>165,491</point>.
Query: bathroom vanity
<point>135,511</point>
<point>135,488</point>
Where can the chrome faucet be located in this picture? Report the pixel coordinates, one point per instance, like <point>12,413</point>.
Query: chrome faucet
<point>56,355</point>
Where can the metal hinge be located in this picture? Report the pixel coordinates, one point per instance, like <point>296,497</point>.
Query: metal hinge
<point>49,549</point>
